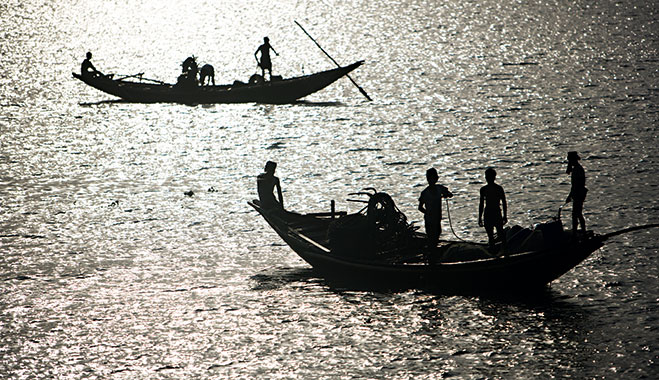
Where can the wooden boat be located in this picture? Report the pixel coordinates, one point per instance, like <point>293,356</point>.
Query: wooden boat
<point>272,92</point>
<point>453,267</point>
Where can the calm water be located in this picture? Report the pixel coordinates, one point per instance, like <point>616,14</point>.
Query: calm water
<point>107,271</point>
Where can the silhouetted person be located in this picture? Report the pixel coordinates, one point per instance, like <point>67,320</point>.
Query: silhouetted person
<point>493,198</point>
<point>207,74</point>
<point>265,183</point>
<point>430,204</point>
<point>265,63</point>
<point>577,191</point>
<point>190,70</point>
<point>190,65</point>
<point>87,68</point>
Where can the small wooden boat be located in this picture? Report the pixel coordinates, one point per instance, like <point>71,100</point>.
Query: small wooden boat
<point>402,261</point>
<point>276,91</point>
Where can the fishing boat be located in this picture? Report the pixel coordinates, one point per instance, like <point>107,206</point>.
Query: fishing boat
<point>376,247</point>
<point>134,88</point>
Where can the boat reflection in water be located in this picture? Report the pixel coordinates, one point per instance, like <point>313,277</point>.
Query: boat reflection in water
<point>378,247</point>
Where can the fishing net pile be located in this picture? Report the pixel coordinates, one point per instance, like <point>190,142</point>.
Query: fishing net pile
<point>379,228</point>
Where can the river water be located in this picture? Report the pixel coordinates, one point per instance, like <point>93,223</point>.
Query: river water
<point>108,271</point>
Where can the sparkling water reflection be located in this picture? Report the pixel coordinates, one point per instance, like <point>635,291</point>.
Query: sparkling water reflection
<point>107,270</point>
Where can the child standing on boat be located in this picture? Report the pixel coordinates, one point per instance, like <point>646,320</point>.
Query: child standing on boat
<point>578,190</point>
<point>493,198</point>
<point>430,204</point>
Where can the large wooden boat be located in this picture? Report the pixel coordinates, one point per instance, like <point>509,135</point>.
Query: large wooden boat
<point>404,262</point>
<point>276,91</point>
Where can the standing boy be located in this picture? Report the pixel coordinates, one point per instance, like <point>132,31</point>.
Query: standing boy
<point>489,211</point>
<point>577,191</point>
<point>430,204</point>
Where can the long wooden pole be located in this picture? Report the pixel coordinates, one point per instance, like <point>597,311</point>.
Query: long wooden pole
<point>336,63</point>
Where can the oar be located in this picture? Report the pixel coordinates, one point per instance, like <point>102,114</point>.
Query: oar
<point>153,80</point>
<point>630,229</point>
<point>130,76</point>
<point>336,63</point>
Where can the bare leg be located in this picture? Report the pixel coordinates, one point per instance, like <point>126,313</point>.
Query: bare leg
<point>577,216</point>
<point>489,229</point>
<point>582,221</point>
<point>433,232</point>
<point>502,238</point>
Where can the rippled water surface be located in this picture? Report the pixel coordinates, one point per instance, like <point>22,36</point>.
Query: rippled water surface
<point>108,271</point>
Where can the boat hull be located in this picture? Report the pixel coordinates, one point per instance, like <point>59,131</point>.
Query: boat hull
<point>271,92</point>
<point>517,273</point>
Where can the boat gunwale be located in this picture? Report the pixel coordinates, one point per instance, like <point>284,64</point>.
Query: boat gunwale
<point>270,92</point>
<point>491,262</point>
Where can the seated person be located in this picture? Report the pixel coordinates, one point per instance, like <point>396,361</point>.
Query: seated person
<point>266,182</point>
<point>87,68</point>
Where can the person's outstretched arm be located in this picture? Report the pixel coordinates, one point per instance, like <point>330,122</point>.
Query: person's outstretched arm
<point>281,198</point>
<point>480,209</point>
<point>504,204</point>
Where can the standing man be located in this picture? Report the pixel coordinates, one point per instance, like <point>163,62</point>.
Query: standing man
<point>265,63</point>
<point>430,204</point>
<point>577,191</point>
<point>493,198</point>
<point>265,184</point>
